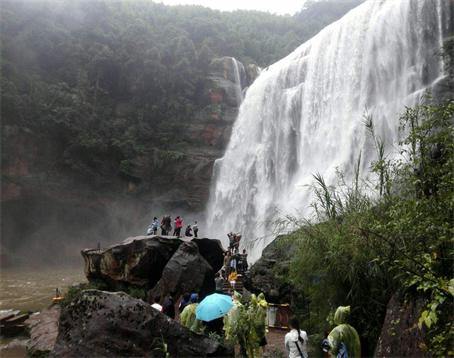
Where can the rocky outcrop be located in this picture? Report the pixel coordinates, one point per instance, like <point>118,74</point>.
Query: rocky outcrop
<point>212,251</point>
<point>252,72</point>
<point>228,78</point>
<point>138,261</point>
<point>105,324</point>
<point>400,335</point>
<point>160,264</point>
<point>270,274</point>
<point>186,271</point>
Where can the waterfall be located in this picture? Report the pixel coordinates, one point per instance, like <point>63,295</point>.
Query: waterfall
<point>304,114</point>
<point>238,68</point>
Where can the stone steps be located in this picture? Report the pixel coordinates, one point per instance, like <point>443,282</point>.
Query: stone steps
<point>238,285</point>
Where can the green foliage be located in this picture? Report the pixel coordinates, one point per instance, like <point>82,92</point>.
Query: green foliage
<point>137,292</point>
<point>366,245</point>
<point>245,325</point>
<point>38,353</point>
<point>160,346</point>
<point>216,337</point>
<point>74,291</point>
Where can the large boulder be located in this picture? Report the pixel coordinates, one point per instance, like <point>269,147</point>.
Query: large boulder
<point>138,261</point>
<point>212,251</point>
<point>400,335</point>
<point>105,324</point>
<point>186,271</point>
<point>270,274</point>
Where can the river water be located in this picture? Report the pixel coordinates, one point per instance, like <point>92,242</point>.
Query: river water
<point>33,289</point>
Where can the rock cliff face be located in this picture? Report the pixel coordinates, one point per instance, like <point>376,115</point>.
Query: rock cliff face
<point>269,274</point>
<point>400,335</point>
<point>106,324</point>
<point>44,199</point>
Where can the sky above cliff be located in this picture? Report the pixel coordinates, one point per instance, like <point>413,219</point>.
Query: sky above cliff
<point>274,6</point>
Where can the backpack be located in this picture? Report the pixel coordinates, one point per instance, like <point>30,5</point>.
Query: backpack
<point>343,353</point>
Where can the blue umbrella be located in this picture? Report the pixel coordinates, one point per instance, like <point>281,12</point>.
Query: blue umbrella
<point>213,306</point>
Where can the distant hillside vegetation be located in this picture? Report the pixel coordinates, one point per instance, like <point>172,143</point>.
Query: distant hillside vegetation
<point>65,64</point>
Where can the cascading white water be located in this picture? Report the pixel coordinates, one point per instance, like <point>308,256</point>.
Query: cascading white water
<point>238,68</point>
<point>303,115</point>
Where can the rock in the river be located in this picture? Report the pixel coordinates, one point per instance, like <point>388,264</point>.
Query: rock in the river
<point>105,324</point>
<point>186,271</point>
<point>400,335</point>
<point>138,261</point>
<point>212,251</point>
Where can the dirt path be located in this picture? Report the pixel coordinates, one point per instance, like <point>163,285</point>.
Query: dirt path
<point>275,347</point>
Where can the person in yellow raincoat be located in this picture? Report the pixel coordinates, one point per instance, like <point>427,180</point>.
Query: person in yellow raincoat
<point>232,279</point>
<point>343,340</point>
<point>188,316</point>
<point>245,324</point>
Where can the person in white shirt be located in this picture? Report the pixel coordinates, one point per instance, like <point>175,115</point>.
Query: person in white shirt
<point>156,304</point>
<point>296,340</point>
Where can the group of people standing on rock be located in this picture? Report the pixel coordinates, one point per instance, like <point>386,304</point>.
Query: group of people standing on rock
<point>166,227</point>
<point>233,260</point>
<point>234,241</point>
<point>235,264</point>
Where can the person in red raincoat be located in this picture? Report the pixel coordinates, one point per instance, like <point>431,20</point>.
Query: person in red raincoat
<point>178,226</point>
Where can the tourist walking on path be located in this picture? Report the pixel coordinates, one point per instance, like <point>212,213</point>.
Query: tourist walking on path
<point>227,262</point>
<point>195,229</point>
<point>186,300</point>
<point>219,282</point>
<point>156,304</point>
<point>188,231</point>
<point>168,307</point>
<point>233,262</point>
<point>343,340</point>
<point>178,226</point>
<point>232,279</point>
<point>296,340</point>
